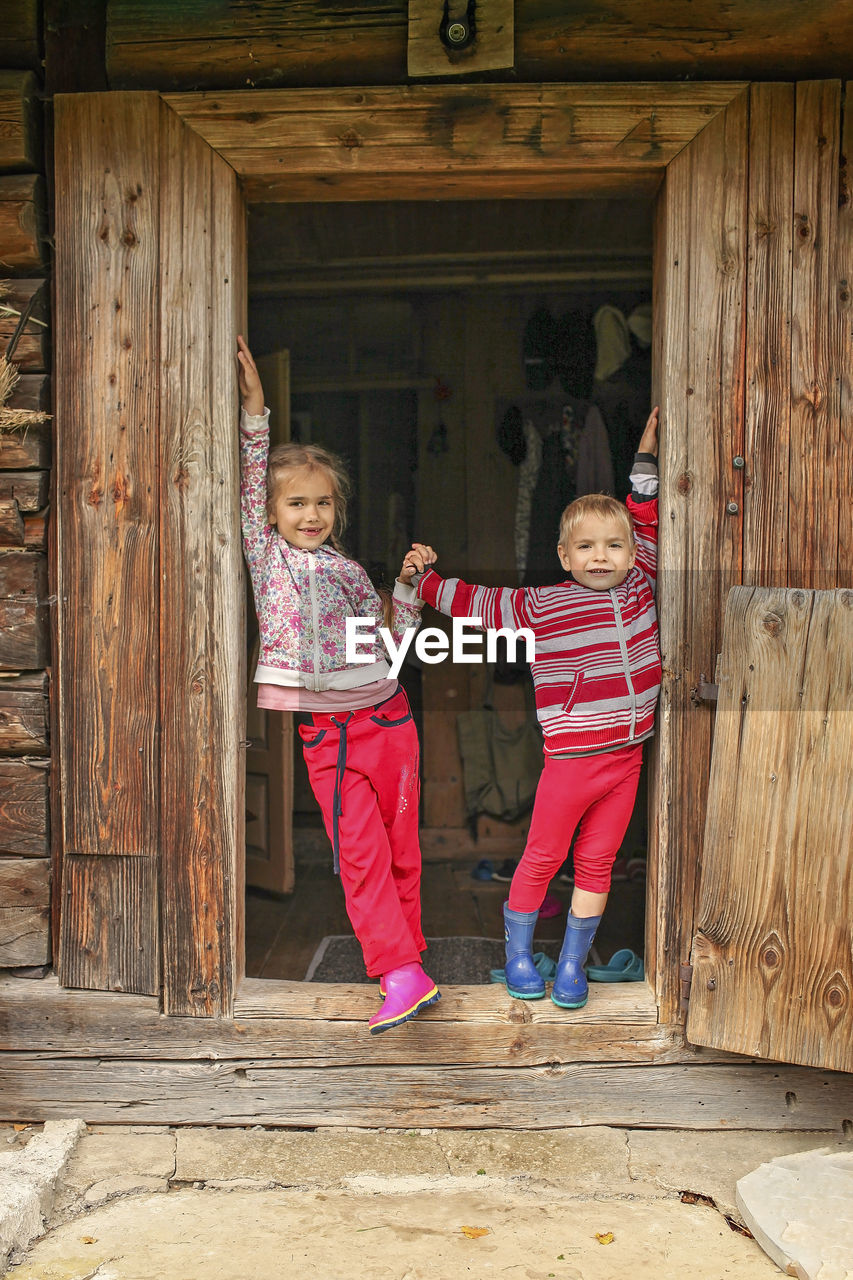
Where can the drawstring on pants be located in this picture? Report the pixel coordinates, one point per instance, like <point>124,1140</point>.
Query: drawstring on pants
<point>337,801</point>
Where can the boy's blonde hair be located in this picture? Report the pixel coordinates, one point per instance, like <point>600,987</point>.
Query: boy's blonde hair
<point>601,507</point>
<point>284,459</point>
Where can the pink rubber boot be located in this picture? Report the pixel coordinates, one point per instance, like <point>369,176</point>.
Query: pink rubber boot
<point>407,990</point>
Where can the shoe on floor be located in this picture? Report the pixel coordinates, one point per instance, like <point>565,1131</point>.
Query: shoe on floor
<point>506,870</point>
<point>483,870</point>
<point>624,966</point>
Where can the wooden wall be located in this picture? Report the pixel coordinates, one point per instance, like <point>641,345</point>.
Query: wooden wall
<point>25,650</point>
<point>310,42</point>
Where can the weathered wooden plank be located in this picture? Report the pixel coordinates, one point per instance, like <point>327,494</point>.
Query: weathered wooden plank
<point>37,1087</point>
<point>31,353</point>
<point>701,287</point>
<point>312,42</point>
<point>23,715</point>
<point>774,930</point>
<point>11,524</point>
<point>24,825</point>
<point>348,144</point>
<point>109,938</point>
<point>28,488</point>
<point>107,230</point>
<point>203,660</point>
<point>844,294</point>
<point>74,38</point>
<point>24,936</point>
<point>107,243</point>
<point>20,122</point>
<point>28,447</point>
<point>815,387</point>
<point>20,44</point>
<point>24,882</point>
<point>22,219</point>
<point>768,353</point>
<point>24,639</point>
<point>489,50</point>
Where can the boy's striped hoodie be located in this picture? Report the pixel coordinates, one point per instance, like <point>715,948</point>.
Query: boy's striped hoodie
<point>597,669</point>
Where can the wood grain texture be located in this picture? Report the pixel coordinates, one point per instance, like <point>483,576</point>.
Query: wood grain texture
<point>348,144</point>
<point>772,971</point>
<point>107,255</point>
<point>11,524</point>
<point>31,353</point>
<point>24,882</point>
<point>312,42</point>
<point>813,482</point>
<point>701,288</point>
<point>107,232</point>
<point>768,355</point>
<point>22,220</point>
<point>20,122</point>
<point>203,701</point>
<point>24,826</point>
<point>28,488</point>
<point>20,35</point>
<point>24,936</point>
<point>24,715</point>
<point>37,1087</point>
<point>24,638</point>
<point>30,446</point>
<point>491,49</point>
<point>109,938</point>
<point>844,331</point>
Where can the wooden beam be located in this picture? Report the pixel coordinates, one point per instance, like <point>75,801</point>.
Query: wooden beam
<point>24,936</point>
<point>27,446</point>
<point>813,478</point>
<point>24,642</point>
<point>482,141</point>
<point>29,489</point>
<point>23,715</point>
<point>768,352</point>
<point>20,122</point>
<point>24,882</point>
<point>107,231</point>
<point>203,688</point>
<point>23,808</point>
<point>700,382</point>
<point>22,219</point>
<point>20,35</point>
<point>31,353</point>
<point>844,321</point>
<point>37,1086</point>
<point>313,42</point>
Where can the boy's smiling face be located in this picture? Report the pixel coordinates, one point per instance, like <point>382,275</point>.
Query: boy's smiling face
<point>303,507</point>
<point>599,553</point>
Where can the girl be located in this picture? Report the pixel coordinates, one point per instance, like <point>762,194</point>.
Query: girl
<point>360,745</point>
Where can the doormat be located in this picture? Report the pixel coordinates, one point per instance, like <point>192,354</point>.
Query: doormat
<point>453,961</point>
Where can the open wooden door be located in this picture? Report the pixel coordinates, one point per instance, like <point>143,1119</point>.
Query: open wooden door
<point>773,951</point>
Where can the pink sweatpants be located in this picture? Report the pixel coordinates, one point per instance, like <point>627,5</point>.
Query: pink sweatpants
<point>596,792</point>
<point>363,769</point>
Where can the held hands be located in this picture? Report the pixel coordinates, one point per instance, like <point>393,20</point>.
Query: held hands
<point>649,439</point>
<point>416,561</point>
<point>251,390</point>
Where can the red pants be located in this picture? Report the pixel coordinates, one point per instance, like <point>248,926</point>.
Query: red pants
<point>596,791</point>
<point>363,769</point>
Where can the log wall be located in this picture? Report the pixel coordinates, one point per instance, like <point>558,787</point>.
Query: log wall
<point>25,935</point>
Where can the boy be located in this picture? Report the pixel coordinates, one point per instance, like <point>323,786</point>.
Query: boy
<point>597,678</point>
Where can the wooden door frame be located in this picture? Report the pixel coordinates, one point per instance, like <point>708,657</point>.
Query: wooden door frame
<point>522,141</point>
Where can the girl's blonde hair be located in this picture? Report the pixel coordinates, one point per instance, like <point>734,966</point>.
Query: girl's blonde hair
<point>284,459</point>
<point>601,507</point>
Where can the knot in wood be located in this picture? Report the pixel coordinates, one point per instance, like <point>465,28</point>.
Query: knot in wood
<point>350,139</point>
<point>835,997</point>
<point>770,958</point>
<point>798,599</point>
<point>684,483</point>
<point>772,623</point>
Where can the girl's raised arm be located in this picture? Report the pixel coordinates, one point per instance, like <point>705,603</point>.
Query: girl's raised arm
<point>251,389</point>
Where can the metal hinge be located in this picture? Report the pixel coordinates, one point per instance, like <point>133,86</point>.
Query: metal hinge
<point>685,974</point>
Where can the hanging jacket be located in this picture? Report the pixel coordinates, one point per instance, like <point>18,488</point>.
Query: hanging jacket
<point>303,597</point>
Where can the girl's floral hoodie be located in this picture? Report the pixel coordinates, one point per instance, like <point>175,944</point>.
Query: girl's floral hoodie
<point>303,598</point>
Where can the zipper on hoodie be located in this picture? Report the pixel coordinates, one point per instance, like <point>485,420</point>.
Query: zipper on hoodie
<point>315,616</point>
<point>623,646</point>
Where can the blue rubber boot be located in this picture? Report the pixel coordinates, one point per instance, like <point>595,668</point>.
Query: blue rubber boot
<point>523,979</point>
<point>570,990</point>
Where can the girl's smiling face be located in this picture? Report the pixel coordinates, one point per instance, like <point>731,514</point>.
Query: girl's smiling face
<point>599,553</point>
<point>303,507</point>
